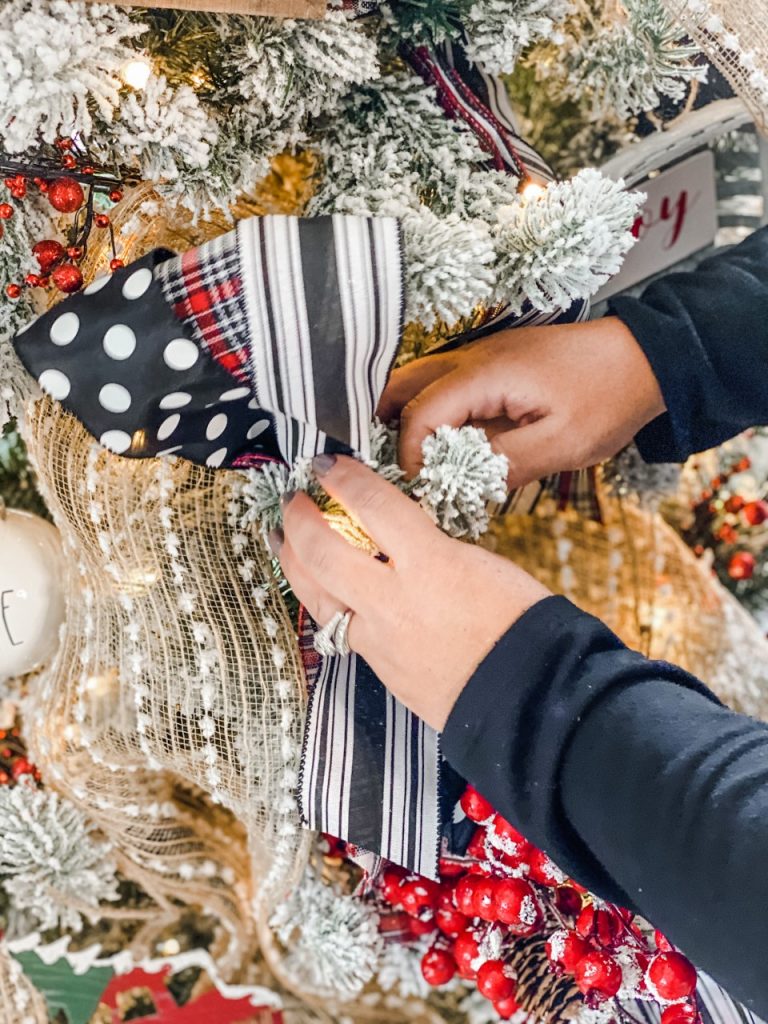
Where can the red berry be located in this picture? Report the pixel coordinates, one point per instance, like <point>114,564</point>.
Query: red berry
<point>75,252</point>
<point>598,973</point>
<point>6,211</point>
<point>9,182</point>
<point>116,265</point>
<point>565,949</point>
<point>568,900</point>
<point>464,894</point>
<point>735,503</point>
<point>19,191</point>
<point>33,280</point>
<point>438,967</point>
<point>662,942</point>
<point>69,161</point>
<point>66,195</point>
<point>742,566</point>
<point>476,846</point>
<point>602,925</point>
<point>390,885</point>
<point>485,898</point>
<point>101,220</point>
<point>493,982</point>
<point>506,838</point>
<point>64,143</point>
<point>475,807</point>
<point>67,278</point>
<point>419,927</point>
<point>671,975</point>
<point>48,253</point>
<point>419,897</point>
<point>756,512</point>
<point>543,870</point>
<point>21,766</point>
<point>451,922</point>
<point>680,1013</point>
<point>13,290</point>
<point>450,868</point>
<point>516,905</point>
<point>115,195</point>
<point>466,950</point>
<point>88,169</point>
<point>506,1008</point>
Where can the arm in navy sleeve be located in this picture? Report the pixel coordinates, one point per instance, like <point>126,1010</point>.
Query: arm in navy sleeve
<point>705,334</point>
<point>633,777</point>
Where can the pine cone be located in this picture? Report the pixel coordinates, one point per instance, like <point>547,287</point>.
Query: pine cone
<point>548,998</point>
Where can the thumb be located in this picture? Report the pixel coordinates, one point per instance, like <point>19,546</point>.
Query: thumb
<point>533,451</point>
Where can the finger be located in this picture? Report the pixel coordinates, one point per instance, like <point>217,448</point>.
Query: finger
<point>394,523</point>
<point>534,451</point>
<point>408,381</point>
<point>321,605</point>
<point>349,575</point>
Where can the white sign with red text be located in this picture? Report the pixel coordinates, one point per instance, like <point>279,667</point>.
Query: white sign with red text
<point>679,218</point>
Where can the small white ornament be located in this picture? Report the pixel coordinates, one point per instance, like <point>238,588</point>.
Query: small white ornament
<point>31,595</point>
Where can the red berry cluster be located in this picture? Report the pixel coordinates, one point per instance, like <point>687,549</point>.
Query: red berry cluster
<point>59,264</point>
<point>14,763</point>
<point>505,889</point>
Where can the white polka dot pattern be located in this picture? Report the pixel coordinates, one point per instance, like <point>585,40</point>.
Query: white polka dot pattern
<point>65,328</point>
<point>115,398</point>
<point>180,354</point>
<point>120,342</point>
<point>168,426</point>
<point>176,400</point>
<point>137,284</point>
<point>118,441</point>
<point>216,459</point>
<point>216,427</point>
<point>55,383</point>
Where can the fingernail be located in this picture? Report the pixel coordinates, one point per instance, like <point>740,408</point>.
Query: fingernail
<point>286,499</point>
<point>323,464</point>
<point>276,539</point>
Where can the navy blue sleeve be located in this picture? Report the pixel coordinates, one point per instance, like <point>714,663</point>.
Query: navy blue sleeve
<point>633,777</point>
<point>705,334</point>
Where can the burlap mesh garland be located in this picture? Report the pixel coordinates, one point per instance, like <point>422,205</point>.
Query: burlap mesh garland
<point>734,36</point>
<point>20,1001</point>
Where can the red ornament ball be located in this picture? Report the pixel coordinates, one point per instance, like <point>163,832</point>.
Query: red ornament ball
<point>755,512</point>
<point>115,195</point>
<point>506,1008</point>
<point>6,211</point>
<point>101,220</point>
<point>476,807</point>
<point>565,949</point>
<point>493,981</point>
<point>67,278</point>
<point>69,161</point>
<point>64,143</point>
<point>48,253</point>
<point>116,264</point>
<point>66,195</point>
<point>13,290</point>
<point>671,975</point>
<point>33,280</point>
<point>598,973</point>
<point>742,566</point>
<point>466,950</point>
<point>680,1013</point>
<point>438,967</point>
<point>75,252</point>
<point>516,905</point>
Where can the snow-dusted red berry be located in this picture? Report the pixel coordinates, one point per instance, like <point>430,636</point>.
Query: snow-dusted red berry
<point>662,942</point>
<point>438,967</point>
<point>464,894</point>
<point>419,896</point>
<point>517,906</point>
<point>476,807</point>
<point>420,927</point>
<point>568,901</point>
<point>485,898</point>
<point>542,870</point>
<point>506,838</point>
<point>598,973</point>
<point>466,950</point>
<point>476,846</point>
<point>451,922</point>
<point>391,885</point>
<point>671,976</point>
<point>566,948</point>
<point>680,1013</point>
<point>450,868</point>
<point>506,1008</point>
<point>494,982</point>
<point>602,925</point>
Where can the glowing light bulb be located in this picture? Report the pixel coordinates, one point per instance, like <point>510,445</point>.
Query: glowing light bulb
<point>532,191</point>
<point>136,72</point>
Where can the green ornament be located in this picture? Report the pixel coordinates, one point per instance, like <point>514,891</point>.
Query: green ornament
<point>76,995</point>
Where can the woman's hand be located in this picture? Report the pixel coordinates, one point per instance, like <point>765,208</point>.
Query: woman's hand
<point>550,398</point>
<point>424,619</point>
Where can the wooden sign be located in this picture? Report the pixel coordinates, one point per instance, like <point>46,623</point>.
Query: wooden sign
<point>271,8</point>
<point>678,219</point>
